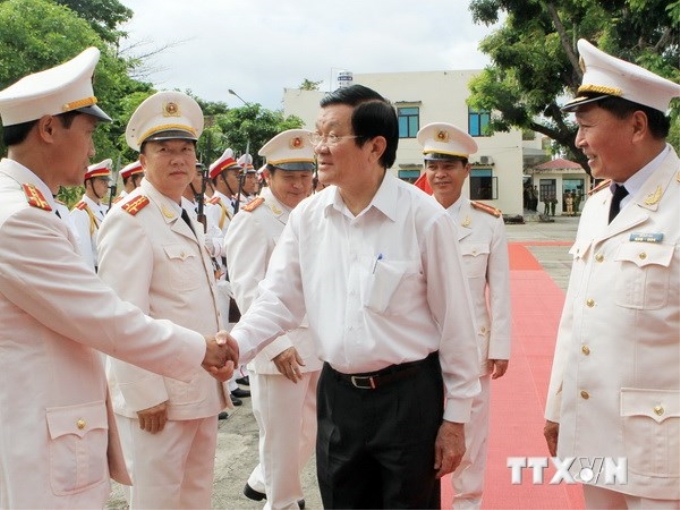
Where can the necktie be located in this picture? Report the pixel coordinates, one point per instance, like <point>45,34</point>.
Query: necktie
<point>56,211</point>
<point>620,192</point>
<point>186,219</point>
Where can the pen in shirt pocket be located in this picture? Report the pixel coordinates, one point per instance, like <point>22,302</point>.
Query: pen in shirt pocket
<point>375,264</point>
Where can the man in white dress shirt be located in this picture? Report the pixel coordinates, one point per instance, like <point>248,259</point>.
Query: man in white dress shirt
<point>285,410</point>
<point>88,214</point>
<point>481,236</point>
<point>615,385</point>
<point>369,260</point>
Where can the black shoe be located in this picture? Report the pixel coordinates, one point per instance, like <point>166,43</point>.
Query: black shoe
<point>301,504</point>
<point>236,401</point>
<point>251,493</point>
<point>239,393</point>
<point>245,380</point>
<point>223,415</point>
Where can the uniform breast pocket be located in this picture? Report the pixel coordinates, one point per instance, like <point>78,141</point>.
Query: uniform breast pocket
<point>644,276</point>
<point>185,268</point>
<point>393,286</point>
<point>651,431</point>
<point>79,437</point>
<point>475,257</point>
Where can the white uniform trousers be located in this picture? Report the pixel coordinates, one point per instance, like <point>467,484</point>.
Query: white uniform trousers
<point>172,469</point>
<point>601,498</point>
<point>468,478</point>
<point>286,415</point>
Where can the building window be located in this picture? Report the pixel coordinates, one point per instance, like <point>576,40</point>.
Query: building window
<point>409,121</point>
<point>483,185</point>
<point>478,122</point>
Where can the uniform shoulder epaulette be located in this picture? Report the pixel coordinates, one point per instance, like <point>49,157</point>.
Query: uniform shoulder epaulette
<point>35,197</point>
<point>604,184</point>
<point>487,209</point>
<point>250,207</point>
<point>136,204</point>
<point>81,205</point>
<point>214,200</point>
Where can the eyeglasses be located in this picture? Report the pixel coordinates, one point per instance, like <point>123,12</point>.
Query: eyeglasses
<point>328,140</point>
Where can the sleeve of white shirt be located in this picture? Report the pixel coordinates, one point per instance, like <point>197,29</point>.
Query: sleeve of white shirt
<point>498,280</point>
<point>449,299</point>
<point>280,305</point>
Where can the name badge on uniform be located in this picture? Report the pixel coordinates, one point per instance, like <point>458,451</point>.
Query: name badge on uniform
<point>646,237</point>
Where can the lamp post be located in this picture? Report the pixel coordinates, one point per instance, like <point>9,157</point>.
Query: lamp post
<point>231,91</point>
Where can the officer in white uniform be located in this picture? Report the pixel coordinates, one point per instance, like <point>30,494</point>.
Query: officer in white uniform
<point>483,245</point>
<point>59,442</point>
<point>285,410</point>
<point>132,175</point>
<point>615,384</point>
<point>152,253</point>
<point>88,214</point>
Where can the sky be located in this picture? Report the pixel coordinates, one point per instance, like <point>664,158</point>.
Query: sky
<point>257,48</point>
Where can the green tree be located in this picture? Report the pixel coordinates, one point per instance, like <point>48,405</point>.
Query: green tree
<point>534,60</point>
<point>310,85</point>
<point>104,16</point>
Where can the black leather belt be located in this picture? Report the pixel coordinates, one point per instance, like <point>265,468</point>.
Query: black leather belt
<point>375,380</point>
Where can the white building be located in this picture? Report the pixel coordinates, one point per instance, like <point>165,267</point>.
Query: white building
<point>438,96</point>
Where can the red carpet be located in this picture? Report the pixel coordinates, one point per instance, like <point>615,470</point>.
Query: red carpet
<point>518,399</point>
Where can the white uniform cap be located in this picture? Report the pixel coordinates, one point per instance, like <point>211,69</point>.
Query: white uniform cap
<point>225,162</point>
<point>445,142</point>
<point>606,76</point>
<point>133,168</point>
<point>58,90</point>
<point>246,163</point>
<point>165,116</point>
<point>290,150</point>
<point>101,169</point>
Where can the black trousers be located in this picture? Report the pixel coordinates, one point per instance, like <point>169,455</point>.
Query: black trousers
<point>375,447</point>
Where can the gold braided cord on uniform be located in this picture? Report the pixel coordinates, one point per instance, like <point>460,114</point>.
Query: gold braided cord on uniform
<point>81,103</point>
<point>290,160</point>
<point>223,215</point>
<point>448,153</point>
<point>166,127</point>
<point>600,89</point>
<point>93,220</point>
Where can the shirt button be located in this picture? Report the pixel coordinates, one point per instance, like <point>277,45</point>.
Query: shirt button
<point>585,350</point>
<point>599,257</point>
<point>81,424</point>
<point>585,395</point>
<point>658,410</point>
<point>590,303</point>
<point>642,256</point>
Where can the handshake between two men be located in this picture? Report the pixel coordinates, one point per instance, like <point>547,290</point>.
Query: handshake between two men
<point>221,356</point>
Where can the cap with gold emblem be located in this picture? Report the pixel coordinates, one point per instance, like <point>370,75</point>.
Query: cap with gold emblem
<point>225,162</point>
<point>101,169</point>
<point>290,150</point>
<point>605,76</point>
<point>165,116</point>
<point>445,142</point>
<point>64,88</point>
<point>133,168</point>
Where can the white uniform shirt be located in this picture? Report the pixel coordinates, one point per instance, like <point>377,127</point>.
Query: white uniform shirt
<point>484,248</point>
<point>378,289</point>
<point>250,241</point>
<point>86,221</point>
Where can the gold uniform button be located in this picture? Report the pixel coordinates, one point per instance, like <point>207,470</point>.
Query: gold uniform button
<point>483,330</point>
<point>642,256</point>
<point>585,350</point>
<point>658,410</point>
<point>590,303</point>
<point>81,424</point>
<point>599,257</point>
<point>585,395</point>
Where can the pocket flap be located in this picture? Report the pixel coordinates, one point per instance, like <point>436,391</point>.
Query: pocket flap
<point>474,250</point>
<point>78,420</point>
<point>656,404</point>
<point>644,254</point>
<point>177,251</point>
